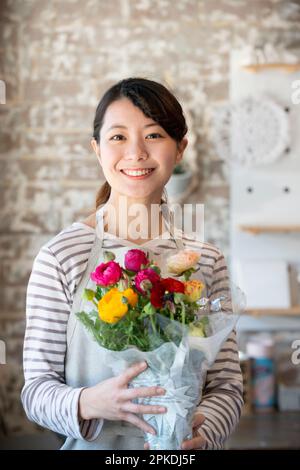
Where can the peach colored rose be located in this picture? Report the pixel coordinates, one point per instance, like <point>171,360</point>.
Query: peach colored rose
<point>182,261</point>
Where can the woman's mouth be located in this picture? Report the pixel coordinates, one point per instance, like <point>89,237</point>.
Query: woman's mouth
<point>139,173</point>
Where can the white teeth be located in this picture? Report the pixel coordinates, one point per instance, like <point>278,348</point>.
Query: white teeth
<point>137,172</point>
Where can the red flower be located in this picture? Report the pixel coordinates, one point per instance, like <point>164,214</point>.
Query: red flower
<point>145,274</point>
<point>156,296</point>
<point>134,259</point>
<point>173,285</point>
<point>160,288</point>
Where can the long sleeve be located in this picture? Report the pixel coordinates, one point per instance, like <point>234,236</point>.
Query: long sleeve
<point>222,398</point>
<point>46,398</point>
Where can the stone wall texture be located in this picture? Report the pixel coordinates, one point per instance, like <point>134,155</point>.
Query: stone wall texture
<point>57,58</point>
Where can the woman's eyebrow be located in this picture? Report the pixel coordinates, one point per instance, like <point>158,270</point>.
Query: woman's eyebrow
<point>124,127</point>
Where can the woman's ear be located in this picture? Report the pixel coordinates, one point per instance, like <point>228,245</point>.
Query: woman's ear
<point>181,146</point>
<point>96,149</point>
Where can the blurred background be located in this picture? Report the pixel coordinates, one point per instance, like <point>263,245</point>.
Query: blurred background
<point>235,68</point>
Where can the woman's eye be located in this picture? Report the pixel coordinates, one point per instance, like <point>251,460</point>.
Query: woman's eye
<point>116,136</point>
<point>155,134</point>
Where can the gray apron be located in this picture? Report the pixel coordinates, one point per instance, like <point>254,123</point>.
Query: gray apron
<point>83,364</point>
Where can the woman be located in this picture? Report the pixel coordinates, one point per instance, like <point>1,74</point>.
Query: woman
<point>139,136</point>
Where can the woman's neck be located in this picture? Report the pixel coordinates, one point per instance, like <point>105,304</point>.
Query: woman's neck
<point>134,220</point>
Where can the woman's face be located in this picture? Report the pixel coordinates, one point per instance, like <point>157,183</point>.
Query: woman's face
<point>130,142</point>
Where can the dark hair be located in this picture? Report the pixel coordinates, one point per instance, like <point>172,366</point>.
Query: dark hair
<point>156,102</point>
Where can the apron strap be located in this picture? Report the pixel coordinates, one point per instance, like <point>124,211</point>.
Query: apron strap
<point>99,222</point>
<point>166,213</point>
<point>169,219</point>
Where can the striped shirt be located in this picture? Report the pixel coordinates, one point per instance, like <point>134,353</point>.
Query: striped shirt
<point>57,270</point>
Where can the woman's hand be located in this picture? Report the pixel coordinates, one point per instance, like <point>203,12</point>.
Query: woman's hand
<point>111,399</point>
<point>197,442</point>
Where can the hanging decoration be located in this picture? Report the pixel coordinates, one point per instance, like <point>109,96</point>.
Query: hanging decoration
<point>252,132</point>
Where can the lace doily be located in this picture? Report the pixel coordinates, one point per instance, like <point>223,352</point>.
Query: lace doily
<point>252,132</point>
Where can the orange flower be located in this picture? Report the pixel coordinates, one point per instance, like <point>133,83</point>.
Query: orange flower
<point>131,296</point>
<point>193,289</point>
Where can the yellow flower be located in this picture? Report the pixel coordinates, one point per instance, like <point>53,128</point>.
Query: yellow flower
<point>111,308</point>
<point>193,289</point>
<point>196,330</point>
<point>131,296</point>
<point>199,327</point>
<point>182,261</point>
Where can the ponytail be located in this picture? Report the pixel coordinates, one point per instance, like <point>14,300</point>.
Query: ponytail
<point>103,194</point>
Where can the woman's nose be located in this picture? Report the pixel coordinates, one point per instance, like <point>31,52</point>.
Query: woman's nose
<point>136,151</point>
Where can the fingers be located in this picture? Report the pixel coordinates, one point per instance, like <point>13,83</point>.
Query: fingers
<point>143,409</point>
<point>132,372</point>
<point>131,393</point>
<point>198,420</point>
<point>133,419</point>
<point>195,443</point>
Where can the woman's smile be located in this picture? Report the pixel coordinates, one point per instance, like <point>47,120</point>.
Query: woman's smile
<point>137,173</point>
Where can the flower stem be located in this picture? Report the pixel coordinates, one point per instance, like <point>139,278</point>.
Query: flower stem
<point>182,313</point>
<point>153,323</point>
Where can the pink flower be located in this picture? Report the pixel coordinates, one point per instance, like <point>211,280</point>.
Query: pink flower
<point>107,273</point>
<point>134,260</point>
<point>145,275</point>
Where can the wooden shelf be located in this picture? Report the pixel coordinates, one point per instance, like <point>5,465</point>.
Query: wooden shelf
<point>257,229</point>
<point>293,311</point>
<point>289,68</point>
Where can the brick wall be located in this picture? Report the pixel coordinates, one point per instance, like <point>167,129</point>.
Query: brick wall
<point>57,58</point>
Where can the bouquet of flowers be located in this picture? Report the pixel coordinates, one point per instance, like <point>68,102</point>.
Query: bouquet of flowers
<point>138,315</point>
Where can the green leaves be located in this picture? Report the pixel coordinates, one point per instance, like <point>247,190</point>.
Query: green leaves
<point>155,268</point>
<point>108,256</point>
<point>178,297</point>
<point>129,272</point>
<point>187,274</point>
<point>148,310</point>
<point>88,294</point>
<point>90,325</point>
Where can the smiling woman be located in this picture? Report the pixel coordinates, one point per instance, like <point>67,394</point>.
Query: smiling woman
<point>139,137</point>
